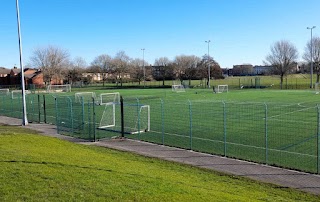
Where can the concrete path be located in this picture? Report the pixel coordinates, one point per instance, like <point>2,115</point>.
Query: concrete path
<point>278,176</point>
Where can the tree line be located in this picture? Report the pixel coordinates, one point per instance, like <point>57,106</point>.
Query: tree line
<point>55,61</point>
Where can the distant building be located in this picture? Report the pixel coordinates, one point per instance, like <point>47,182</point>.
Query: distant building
<point>4,72</point>
<point>262,70</point>
<point>242,70</point>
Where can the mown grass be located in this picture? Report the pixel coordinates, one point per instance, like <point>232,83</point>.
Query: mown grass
<point>38,168</point>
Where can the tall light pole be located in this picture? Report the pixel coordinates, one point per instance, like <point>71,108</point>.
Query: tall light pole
<point>311,54</point>
<point>144,69</point>
<point>208,63</point>
<point>24,108</point>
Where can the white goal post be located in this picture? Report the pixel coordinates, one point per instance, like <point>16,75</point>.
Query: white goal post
<point>58,88</point>
<point>4,91</point>
<point>178,88</point>
<point>222,88</point>
<point>15,94</point>
<point>84,97</point>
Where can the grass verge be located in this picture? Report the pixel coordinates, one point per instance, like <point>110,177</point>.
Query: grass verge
<point>38,168</point>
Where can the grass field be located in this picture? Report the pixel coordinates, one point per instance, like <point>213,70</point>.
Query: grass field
<point>276,127</point>
<point>38,168</point>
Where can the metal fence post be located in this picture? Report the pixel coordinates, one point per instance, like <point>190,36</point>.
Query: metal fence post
<point>44,109</point>
<point>82,113</point>
<point>318,138</point>
<point>190,123</point>
<point>266,132</point>
<point>94,120</point>
<point>162,121</point>
<point>224,128</point>
<point>57,114</point>
<point>71,113</point>
<point>39,109</point>
<point>122,117</point>
<point>138,114</point>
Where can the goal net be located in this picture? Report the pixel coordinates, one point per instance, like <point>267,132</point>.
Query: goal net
<point>222,88</point>
<point>16,94</point>
<point>178,88</point>
<point>4,91</point>
<point>84,97</point>
<point>316,88</point>
<point>58,88</point>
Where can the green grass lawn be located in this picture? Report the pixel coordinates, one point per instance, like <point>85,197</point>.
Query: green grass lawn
<point>38,168</point>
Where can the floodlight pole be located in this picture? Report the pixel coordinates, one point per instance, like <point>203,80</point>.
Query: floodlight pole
<point>311,53</point>
<point>208,64</point>
<point>144,69</point>
<point>24,108</point>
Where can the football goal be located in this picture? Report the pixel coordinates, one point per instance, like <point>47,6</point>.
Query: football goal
<point>222,88</point>
<point>136,118</point>
<point>16,94</point>
<point>4,91</point>
<point>58,88</point>
<point>178,88</point>
<point>84,97</point>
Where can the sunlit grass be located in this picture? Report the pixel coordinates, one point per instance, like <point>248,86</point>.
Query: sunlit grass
<point>38,168</point>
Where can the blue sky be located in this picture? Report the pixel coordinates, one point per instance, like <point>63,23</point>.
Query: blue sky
<point>241,31</point>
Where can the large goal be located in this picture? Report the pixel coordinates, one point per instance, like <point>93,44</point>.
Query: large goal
<point>16,94</point>
<point>178,88</point>
<point>58,88</point>
<point>4,91</point>
<point>109,100</point>
<point>84,97</point>
<point>222,88</point>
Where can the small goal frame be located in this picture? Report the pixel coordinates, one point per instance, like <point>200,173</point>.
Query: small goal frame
<point>85,96</point>
<point>222,88</point>
<point>58,88</point>
<point>4,91</point>
<point>178,88</point>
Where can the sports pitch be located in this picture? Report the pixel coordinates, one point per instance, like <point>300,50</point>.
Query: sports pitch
<point>275,127</point>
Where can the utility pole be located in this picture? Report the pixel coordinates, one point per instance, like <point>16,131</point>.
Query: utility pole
<point>24,107</point>
<point>311,53</point>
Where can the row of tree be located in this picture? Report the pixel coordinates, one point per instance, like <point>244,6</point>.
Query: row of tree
<point>54,61</point>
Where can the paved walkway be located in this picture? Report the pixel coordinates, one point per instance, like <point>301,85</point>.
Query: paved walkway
<point>281,177</point>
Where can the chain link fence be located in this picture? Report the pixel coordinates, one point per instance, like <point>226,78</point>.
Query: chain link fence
<point>273,134</point>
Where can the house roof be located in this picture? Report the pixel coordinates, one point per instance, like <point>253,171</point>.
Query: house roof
<point>4,70</point>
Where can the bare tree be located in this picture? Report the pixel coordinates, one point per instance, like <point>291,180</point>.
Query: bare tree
<point>102,64</point>
<point>315,55</point>
<point>215,70</point>
<point>283,58</point>
<point>136,69</point>
<point>52,61</point>
<point>77,66</point>
<point>164,69</point>
<point>121,64</point>
<point>185,66</point>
